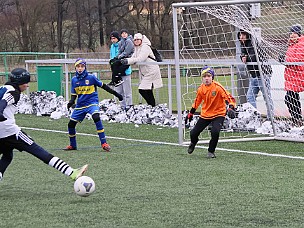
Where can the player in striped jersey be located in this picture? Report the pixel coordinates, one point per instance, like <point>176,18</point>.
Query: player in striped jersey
<point>84,88</point>
<point>214,99</point>
<point>11,135</point>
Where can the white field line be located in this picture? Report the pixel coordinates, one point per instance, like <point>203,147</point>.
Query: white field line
<point>174,144</point>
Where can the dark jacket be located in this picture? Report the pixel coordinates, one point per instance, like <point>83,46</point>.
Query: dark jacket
<point>247,49</point>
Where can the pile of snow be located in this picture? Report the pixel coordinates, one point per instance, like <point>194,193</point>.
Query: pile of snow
<point>45,103</point>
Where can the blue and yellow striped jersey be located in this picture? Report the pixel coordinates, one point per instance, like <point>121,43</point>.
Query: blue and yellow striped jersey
<point>86,90</point>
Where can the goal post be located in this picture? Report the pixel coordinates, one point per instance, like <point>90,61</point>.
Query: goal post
<point>206,33</point>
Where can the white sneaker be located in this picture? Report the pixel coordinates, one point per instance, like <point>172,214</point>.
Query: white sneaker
<point>1,176</point>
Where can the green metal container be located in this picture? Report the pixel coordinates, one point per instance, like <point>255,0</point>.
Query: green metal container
<point>49,78</point>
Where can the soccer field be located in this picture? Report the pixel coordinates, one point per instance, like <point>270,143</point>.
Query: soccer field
<point>147,180</point>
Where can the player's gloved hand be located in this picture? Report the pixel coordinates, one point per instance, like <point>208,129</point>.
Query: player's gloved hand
<point>113,60</point>
<point>124,61</point>
<point>231,112</point>
<point>188,118</point>
<point>120,97</point>
<point>2,118</point>
<point>70,104</point>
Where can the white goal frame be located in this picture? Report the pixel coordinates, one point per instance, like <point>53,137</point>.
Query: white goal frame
<point>176,7</point>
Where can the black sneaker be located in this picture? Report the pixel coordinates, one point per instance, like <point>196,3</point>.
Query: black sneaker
<point>191,148</point>
<point>118,83</point>
<point>210,155</point>
<point>111,83</point>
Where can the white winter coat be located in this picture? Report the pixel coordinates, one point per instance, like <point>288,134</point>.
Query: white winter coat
<point>149,75</point>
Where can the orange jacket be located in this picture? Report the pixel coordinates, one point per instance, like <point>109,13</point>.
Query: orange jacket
<point>213,99</point>
<point>294,75</point>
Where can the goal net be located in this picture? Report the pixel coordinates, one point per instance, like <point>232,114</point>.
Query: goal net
<point>209,33</point>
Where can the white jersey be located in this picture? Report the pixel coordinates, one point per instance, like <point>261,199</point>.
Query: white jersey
<point>12,96</point>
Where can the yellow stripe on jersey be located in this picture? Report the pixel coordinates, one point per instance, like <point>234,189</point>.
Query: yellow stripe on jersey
<point>85,89</point>
<point>100,131</point>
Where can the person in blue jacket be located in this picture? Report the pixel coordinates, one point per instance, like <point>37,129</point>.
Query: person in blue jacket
<point>84,88</point>
<point>125,89</point>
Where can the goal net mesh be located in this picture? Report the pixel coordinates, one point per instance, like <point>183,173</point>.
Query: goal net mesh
<point>209,35</point>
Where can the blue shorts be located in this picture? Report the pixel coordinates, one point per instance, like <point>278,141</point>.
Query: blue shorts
<point>79,114</point>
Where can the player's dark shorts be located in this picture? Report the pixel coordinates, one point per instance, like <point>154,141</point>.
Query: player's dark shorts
<point>23,142</point>
<point>79,114</point>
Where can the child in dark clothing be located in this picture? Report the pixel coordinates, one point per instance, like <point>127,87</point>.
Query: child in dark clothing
<point>125,50</point>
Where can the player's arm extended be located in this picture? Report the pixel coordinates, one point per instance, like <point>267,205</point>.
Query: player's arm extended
<point>109,90</point>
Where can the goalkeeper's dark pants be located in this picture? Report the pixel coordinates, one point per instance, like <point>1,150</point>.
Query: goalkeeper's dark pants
<point>216,127</point>
<point>21,142</point>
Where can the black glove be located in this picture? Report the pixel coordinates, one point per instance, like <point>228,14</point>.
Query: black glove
<point>188,118</point>
<point>113,60</point>
<point>2,118</point>
<point>231,112</point>
<point>70,104</point>
<point>120,98</point>
<point>124,61</point>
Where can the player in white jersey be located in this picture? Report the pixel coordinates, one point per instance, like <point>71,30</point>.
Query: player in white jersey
<point>11,135</point>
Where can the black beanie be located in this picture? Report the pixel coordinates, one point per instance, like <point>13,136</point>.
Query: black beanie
<point>296,29</point>
<point>115,34</point>
<point>124,30</point>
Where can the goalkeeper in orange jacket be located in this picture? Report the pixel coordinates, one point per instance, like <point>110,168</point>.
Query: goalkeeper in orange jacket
<point>214,99</point>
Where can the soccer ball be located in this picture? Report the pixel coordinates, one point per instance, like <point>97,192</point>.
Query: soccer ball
<point>84,186</point>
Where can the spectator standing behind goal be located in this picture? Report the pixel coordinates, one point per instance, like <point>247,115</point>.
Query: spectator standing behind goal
<point>214,99</point>
<point>84,88</point>
<point>149,74</point>
<point>125,89</point>
<point>294,74</point>
<point>125,50</point>
<point>255,82</point>
<point>11,135</point>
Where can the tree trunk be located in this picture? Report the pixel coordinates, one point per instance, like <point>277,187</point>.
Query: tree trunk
<point>59,24</point>
<point>100,22</point>
<point>152,20</point>
<point>78,23</point>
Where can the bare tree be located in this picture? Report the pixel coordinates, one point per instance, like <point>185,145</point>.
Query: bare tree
<point>100,22</point>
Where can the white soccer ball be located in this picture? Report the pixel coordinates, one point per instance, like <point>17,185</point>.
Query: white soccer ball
<point>84,186</point>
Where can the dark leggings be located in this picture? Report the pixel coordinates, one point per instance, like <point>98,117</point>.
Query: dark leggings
<point>292,100</point>
<point>201,124</point>
<point>147,94</point>
<point>118,70</point>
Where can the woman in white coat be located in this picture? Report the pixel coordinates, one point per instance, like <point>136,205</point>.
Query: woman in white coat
<point>150,77</point>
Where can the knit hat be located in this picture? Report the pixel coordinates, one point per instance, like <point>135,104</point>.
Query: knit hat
<point>296,29</point>
<point>207,69</point>
<point>80,61</point>
<point>124,30</point>
<point>138,36</point>
<point>115,34</point>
